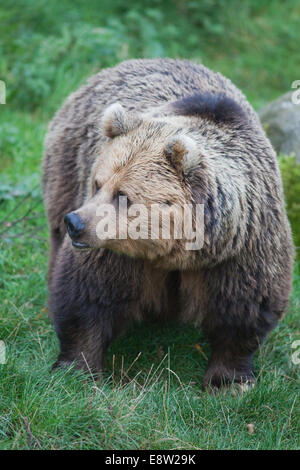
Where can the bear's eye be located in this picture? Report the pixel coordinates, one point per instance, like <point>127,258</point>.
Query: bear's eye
<point>122,194</point>
<point>96,186</point>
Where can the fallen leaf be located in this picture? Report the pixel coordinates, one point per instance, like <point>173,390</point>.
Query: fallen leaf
<point>250,428</point>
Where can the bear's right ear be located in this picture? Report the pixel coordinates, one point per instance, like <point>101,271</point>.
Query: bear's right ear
<point>116,121</point>
<point>181,152</point>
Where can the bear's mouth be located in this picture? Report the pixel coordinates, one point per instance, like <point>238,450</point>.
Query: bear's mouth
<point>79,245</point>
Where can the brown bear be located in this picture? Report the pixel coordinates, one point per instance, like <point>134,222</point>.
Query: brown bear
<point>165,133</point>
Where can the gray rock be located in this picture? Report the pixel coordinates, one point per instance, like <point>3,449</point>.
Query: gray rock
<point>281,121</point>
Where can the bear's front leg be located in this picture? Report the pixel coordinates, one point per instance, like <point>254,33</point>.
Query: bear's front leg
<point>92,298</point>
<point>238,320</point>
<point>232,351</point>
<point>83,337</point>
<point>231,359</point>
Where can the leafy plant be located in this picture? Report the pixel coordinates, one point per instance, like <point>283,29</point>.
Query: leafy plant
<point>290,171</point>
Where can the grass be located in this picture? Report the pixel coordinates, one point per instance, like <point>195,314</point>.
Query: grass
<point>151,396</point>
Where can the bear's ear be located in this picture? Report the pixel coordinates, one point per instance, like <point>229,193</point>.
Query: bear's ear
<point>116,121</point>
<point>181,152</point>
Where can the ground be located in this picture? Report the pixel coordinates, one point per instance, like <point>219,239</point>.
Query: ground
<point>151,394</point>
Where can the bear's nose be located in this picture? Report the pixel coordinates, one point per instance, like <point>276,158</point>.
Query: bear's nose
<point>74,224</point>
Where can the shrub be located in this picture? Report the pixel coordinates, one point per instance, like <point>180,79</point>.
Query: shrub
<point>290,170</point>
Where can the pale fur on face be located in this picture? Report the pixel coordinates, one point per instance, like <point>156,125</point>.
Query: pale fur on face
<point>145,161</point>
<point>180,149</point>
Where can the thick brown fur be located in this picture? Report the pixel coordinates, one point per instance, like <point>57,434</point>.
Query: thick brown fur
<point>183,135</point>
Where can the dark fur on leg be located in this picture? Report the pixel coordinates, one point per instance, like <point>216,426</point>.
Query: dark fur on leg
<point>88,310</point>
<point>239,320</point>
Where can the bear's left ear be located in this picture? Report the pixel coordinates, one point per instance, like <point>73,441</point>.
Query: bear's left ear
<point>181,152</point>
<point>116,121</point>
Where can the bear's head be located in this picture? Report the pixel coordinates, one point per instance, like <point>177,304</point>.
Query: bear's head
<point>138,193</point>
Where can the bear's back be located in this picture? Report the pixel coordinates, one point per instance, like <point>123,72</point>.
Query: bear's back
<point>142,84</point>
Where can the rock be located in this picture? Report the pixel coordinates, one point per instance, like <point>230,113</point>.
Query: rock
<point>281,121</point>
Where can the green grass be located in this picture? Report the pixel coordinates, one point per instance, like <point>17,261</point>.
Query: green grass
<point>151,396</point>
